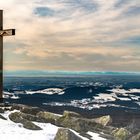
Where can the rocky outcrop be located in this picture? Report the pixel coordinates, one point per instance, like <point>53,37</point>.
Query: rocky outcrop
<point>30,110</point>
<point>26,109</point>
<point>69,120</point>
<point>66,134</point>
<point>104,120</point>
<point>26,115</point>
<point>16,107</point>
<point>17,117</point>
<point>71,114</point>
<point>48,117</point>
<point>1,110</point>
<point>78,123</point>
<point>121,134</point>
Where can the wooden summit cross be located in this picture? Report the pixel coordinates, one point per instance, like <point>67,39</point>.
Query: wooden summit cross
<point>8,32</point>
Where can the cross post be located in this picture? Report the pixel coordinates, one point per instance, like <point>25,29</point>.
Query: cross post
<point>8,32</point>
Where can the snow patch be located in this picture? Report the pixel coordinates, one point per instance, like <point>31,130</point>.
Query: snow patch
<point>78,135</point>
<point>95,136</point>
<point>123,91</point>
<point>124,99</point>
<point>10,95</point>
<point>49,91</point>
<point>105,97</point>
<point>138,103</point>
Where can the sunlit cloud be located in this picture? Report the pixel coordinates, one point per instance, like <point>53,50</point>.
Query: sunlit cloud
<point>73,35</point>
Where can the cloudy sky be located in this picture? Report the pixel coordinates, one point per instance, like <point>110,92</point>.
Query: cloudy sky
<point>72,35</point>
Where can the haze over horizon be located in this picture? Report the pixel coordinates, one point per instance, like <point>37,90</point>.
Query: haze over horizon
<point>72,35</point>
<point>35,73</point>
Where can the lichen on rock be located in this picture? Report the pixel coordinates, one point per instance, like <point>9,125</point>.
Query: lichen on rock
<point>121,134</point>
<point>48,116</point>
<point>104,120</point>
<point>66,134</point>
<point>18,118</point>
<point>71,114</point>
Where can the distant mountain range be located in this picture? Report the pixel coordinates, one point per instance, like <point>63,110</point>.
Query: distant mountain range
<point>64,73</point>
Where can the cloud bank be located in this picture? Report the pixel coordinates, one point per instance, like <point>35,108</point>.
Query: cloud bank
<point>73,35</point>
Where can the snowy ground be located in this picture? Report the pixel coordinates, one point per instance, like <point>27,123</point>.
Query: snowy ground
<point>10,130</point>
<point>95,136</point>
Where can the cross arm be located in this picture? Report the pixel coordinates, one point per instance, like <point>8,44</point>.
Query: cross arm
<point>7,32</point>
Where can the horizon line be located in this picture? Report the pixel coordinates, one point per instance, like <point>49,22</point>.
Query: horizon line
<point>37,73</point>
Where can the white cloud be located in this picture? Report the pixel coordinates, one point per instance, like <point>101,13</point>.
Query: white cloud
<point>73,30</point>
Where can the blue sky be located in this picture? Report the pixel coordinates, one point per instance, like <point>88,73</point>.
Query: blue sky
<point>72,35</point>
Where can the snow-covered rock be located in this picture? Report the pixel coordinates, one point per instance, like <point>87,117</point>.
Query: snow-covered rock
<point>15,131</point>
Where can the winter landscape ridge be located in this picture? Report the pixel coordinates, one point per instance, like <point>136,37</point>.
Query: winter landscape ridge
<point>102,107</point>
